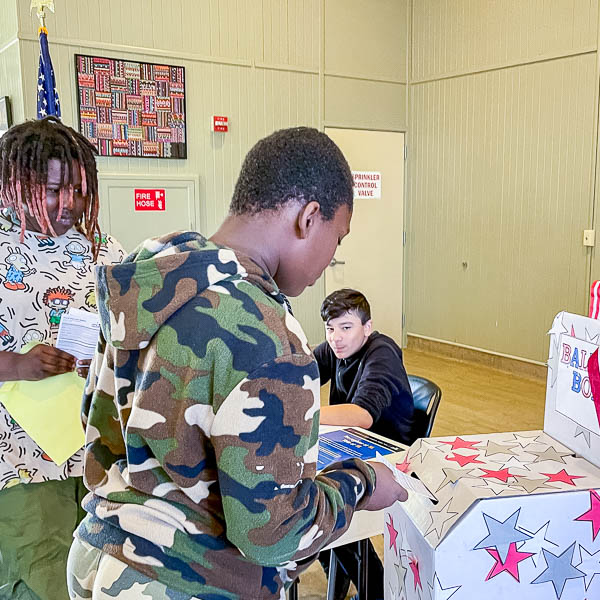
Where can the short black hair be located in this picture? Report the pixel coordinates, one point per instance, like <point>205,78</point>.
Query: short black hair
<point>345,300</point>
<point>300,163</point>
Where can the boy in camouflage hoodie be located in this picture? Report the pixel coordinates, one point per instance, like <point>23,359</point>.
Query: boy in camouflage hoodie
<point>203,399</point>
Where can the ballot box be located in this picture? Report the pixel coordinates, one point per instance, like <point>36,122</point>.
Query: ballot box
<point>516,515</point>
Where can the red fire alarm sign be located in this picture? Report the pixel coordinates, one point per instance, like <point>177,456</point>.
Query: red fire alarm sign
<point>220,123</point>
<point>149,199</point>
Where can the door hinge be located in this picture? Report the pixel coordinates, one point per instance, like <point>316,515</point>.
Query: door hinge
<point>404,238</point>
<point>405,151</point>
<point>403,320</point>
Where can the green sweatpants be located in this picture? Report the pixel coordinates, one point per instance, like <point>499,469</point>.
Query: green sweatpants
<point>37,521</point>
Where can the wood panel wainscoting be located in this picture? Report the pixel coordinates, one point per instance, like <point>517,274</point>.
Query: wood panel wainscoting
<point>510,364</point>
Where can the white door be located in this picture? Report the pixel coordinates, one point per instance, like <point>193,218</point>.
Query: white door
<point>121,215</point>
<point>370,258</point>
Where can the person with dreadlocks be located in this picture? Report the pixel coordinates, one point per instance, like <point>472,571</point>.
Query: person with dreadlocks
<point>48,209</point>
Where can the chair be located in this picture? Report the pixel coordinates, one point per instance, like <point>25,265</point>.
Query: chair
<point>426,399</point>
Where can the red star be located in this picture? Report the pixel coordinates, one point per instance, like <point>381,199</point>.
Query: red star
<point>465,460</point>
<point>460,443</point>
<point>592,515</point>
<point>414,567</point>
<point>393,534</point>
<point>510,565</point>
<point>502,474</point>
<point>404,466</point>
<point>562,476</point>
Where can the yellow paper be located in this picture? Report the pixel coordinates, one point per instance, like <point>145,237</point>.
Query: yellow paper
<point>49,411</point>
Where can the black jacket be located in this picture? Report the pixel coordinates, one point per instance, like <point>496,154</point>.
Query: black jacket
<point>375,379</point>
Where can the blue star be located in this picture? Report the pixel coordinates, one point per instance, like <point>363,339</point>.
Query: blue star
<point>559,569</point>
<point>501,534</point>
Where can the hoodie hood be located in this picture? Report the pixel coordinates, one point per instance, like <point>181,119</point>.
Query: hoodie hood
<point>137,296</point>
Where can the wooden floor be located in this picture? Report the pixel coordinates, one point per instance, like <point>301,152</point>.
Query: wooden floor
<point>478,399</point>
<point>475,399</point>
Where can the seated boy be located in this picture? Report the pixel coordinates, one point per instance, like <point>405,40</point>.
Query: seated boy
<point>369,388</point>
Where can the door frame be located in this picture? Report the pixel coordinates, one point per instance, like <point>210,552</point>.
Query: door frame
<point>330,125</point>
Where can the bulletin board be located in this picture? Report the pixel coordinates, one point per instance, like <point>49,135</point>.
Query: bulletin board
<point>131,109</point>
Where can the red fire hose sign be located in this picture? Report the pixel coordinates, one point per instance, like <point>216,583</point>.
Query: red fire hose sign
<point>149,199</point>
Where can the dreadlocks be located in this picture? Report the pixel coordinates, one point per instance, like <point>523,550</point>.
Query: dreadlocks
<point>25,150</point>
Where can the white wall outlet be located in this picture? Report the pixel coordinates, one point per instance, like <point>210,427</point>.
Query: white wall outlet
<point>589,237</point>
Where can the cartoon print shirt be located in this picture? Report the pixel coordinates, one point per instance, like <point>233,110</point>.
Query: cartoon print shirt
<point>40,280</point>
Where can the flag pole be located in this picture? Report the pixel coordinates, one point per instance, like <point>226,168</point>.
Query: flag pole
<point>48,103</point>
<point>41,6</point>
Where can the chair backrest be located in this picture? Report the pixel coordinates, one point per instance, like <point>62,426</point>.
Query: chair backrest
<point>426,398</point>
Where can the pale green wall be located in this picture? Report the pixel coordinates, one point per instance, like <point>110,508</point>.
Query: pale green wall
<point>8,22</point>
<point>501,166</point>
<point>10,65</point>
<point>366,64</point>
<point>265,64</point>
<point>499,100</point>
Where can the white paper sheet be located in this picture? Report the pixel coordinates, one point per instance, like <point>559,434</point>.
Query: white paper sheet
<point>410,484</point>
<point>78,333</point>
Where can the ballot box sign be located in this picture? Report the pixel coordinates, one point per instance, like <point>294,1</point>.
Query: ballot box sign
<point>367,184</point>
<point>150,200</point>
<point>572,414</point>
<point>574,398</point>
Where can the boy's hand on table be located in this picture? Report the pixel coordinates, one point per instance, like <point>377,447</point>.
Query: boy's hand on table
<point>42,361</point>
<point>387,489</point>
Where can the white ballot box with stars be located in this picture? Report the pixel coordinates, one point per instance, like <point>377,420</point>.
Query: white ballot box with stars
<point>517,514</point>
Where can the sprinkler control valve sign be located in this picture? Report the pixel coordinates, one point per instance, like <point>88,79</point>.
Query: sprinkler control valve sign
<point>367,184</point>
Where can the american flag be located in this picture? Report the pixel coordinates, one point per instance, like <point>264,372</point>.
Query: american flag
<point>47,96</point>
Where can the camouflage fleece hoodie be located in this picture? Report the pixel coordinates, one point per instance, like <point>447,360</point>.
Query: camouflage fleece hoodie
<point>202,427</point>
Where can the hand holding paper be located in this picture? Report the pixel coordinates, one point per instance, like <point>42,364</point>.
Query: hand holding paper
<point>48,409</point>
<point>406,481</point>
<point>40,362</point>
<point>387,490</point>
<point>83,367</point>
